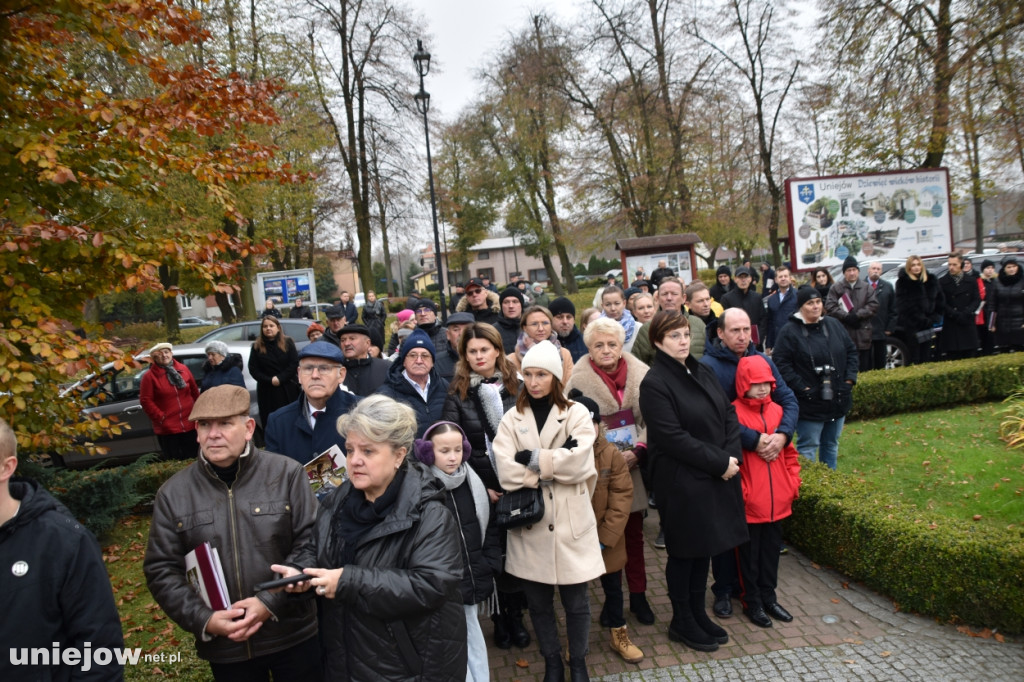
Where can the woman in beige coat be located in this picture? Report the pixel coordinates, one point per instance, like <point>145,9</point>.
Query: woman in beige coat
<point>548,442</point>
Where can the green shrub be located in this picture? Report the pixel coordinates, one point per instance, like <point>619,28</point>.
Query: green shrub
<point>932,385</point>
<point>954,571</point>
<point>98,498</point>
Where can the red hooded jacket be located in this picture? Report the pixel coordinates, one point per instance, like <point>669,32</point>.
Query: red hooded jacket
<point>769,488</point>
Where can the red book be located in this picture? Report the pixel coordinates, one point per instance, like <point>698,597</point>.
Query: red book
<point>204,571</point>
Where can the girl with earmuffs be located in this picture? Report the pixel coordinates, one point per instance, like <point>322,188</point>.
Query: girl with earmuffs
<point>445,449</point>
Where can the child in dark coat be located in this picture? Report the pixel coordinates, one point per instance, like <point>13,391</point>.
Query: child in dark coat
<point>770,484</point>
<point>445,449</point>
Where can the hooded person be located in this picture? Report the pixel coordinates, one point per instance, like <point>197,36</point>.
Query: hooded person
<point>414,381</point>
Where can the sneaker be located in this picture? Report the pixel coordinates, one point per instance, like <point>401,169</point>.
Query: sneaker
<point>621,645</point>
<point>659,542</point>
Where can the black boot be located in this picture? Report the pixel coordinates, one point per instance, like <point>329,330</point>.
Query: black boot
<point>516,630</point>
<point>700,615</point>
<point>578,670</point>
<point>640,608</point>
<point>684,628</point>
<point>502,639</point>
<point>554,668</point>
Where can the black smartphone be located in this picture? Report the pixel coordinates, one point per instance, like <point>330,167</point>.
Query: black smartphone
<point>281,582</point>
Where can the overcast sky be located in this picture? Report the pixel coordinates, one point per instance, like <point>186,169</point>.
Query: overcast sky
<point>464,34</point>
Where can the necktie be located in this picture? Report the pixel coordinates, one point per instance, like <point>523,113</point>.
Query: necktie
<point>316,415</point>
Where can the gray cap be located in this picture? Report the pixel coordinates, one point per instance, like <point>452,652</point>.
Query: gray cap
<point>461,318</point>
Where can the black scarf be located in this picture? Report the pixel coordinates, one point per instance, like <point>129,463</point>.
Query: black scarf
<point>356,517</point>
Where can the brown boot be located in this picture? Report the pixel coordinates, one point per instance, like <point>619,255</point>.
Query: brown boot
<point>621,645</point>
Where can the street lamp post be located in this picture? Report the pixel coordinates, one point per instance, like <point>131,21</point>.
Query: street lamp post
<point>422,61</point>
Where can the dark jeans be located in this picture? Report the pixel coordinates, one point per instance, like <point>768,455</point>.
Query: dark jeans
<point>541,599</point>
<point>636,569</point>
<point>864,359</point>
<point>726,571</point>
<point>877,354</point>
<point>300,663</point>
<point>612,584</point>
<point>179,445</point>
<point>759,564</point>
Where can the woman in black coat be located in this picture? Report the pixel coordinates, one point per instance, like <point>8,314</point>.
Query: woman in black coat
<point>917,309</point>
<point>385,558</point>
<point>374,315</point>
<point>274,364</point>
<point>1004,306</point>
<point>693,444</point>
<point>483,389</point>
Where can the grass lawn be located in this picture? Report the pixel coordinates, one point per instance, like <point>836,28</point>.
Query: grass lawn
<point>947,463</point>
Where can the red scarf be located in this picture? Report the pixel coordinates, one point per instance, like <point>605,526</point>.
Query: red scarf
<point>615,381</point>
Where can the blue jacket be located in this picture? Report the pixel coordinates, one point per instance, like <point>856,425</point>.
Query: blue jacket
<point>398,388</point>
<point>723,362</point>
<point>574,344</point>
<point>777,315</point>
<point>288,431</point>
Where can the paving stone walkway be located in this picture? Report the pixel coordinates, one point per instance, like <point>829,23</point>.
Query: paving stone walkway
<point>840,631</point>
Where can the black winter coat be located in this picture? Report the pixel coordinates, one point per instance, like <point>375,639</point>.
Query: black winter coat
<point>1006,300</point>
<point>365,375</point>
<point>283,364</point>
<point>397,612</point>
<point>481,552</point>
<point>691,434</point>
<point>63,597</point>
<point>509,330</point>
<point>917,306</point>
<point>229,371</point>
<point>750,301</point>
<point>469,414</point>
<point>960,305</point>
<point>398,388</point>
<point>885,317</point>
<point>801,348</point>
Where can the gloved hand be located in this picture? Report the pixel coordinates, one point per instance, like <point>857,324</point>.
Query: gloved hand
<point>570,443</point>
<point>523,457</point>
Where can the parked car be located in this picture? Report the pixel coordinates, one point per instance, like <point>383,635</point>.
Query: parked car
<point>248,331</point>
<point>117,393</point>
<point>187,322</point>
<point>888,264</point>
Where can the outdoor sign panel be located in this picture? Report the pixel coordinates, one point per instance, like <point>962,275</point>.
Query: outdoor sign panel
<point>285,286</point>
<point>679,261</point>
<point>885,215</point>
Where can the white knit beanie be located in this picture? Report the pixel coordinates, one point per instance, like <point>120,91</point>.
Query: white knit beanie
<point>545,356</point>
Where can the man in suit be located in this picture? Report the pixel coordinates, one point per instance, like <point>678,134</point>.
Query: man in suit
<point>883,324</point>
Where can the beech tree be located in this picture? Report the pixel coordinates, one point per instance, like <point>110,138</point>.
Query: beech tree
<point>73,149</point>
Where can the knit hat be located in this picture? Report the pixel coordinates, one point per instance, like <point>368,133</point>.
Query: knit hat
<point>423,303</point>
<point>562,305</point>
<point>987,263</point>
<point>511,292</point>
<point>315,327</point>
<point>630,291</point>
<point>404,315</point>
<point>218,347</point>
<point>544,356</point>
<point>723,270</point>
<point>850,262</point>
<point>417,339</point>
<point>592,407</point>
<point>423,448</point>
<point>805,294</point>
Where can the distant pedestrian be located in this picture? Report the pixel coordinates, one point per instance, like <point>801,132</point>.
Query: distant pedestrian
<point>166,394</point>
<point>273,363</point>
<point>300,311</point>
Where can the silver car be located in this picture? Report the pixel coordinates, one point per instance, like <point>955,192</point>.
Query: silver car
<point>117,393</point>
<point>295,329</point>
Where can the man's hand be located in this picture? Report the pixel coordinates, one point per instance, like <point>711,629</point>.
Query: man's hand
<point>240,622</point>
<point>770,445</point>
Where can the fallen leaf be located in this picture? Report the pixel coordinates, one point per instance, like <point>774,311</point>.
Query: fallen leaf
<point>885,654</point>
<point>999,638</point>
<point>846,586</point>
<point>521,662</point>
<point>977,517</point>
<point>835,601</point>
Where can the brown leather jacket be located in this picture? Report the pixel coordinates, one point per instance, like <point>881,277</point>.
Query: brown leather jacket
<point>264,518</point>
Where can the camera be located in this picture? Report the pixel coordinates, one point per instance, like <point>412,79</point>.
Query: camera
<point>825,371</point>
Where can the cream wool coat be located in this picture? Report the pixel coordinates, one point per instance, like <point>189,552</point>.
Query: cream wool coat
<point>563,548</point>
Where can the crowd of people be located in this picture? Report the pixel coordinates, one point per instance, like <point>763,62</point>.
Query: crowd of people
<point>511,452</point>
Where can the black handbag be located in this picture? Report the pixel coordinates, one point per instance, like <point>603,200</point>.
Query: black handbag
<point>519,508</point>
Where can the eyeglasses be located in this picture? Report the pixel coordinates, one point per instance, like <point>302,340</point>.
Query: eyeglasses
<point>473,292</point>
<point>418,357</point>
<point>538,324</point>
<point>322,369</point>
<point>677,336</point>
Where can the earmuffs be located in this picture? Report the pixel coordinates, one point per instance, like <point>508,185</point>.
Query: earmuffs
<point>424,447</point>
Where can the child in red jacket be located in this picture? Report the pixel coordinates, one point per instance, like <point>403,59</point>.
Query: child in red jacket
<point>770,484</point>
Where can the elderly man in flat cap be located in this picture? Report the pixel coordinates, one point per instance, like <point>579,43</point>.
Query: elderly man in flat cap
<point>167,393</point>
<point>256,509</point>
<point>305,428</point>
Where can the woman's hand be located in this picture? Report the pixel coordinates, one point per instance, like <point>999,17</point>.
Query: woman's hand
<point>287,572</point>
<point>325,580</point>
<point>631,459</point>
<point>734,468</point>
<point>494,495</point>
<point>275,381</point>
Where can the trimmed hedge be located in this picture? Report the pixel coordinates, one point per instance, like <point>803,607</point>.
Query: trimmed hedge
<point>936,384</point>
<point>956,571</point>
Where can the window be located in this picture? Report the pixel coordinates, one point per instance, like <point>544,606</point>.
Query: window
<point>486,272</point>
<point>185,302</point>
<point>483,255</point>
<point>540,275</point>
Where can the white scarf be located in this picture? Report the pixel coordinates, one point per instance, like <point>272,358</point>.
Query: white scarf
<point>481,500</point>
